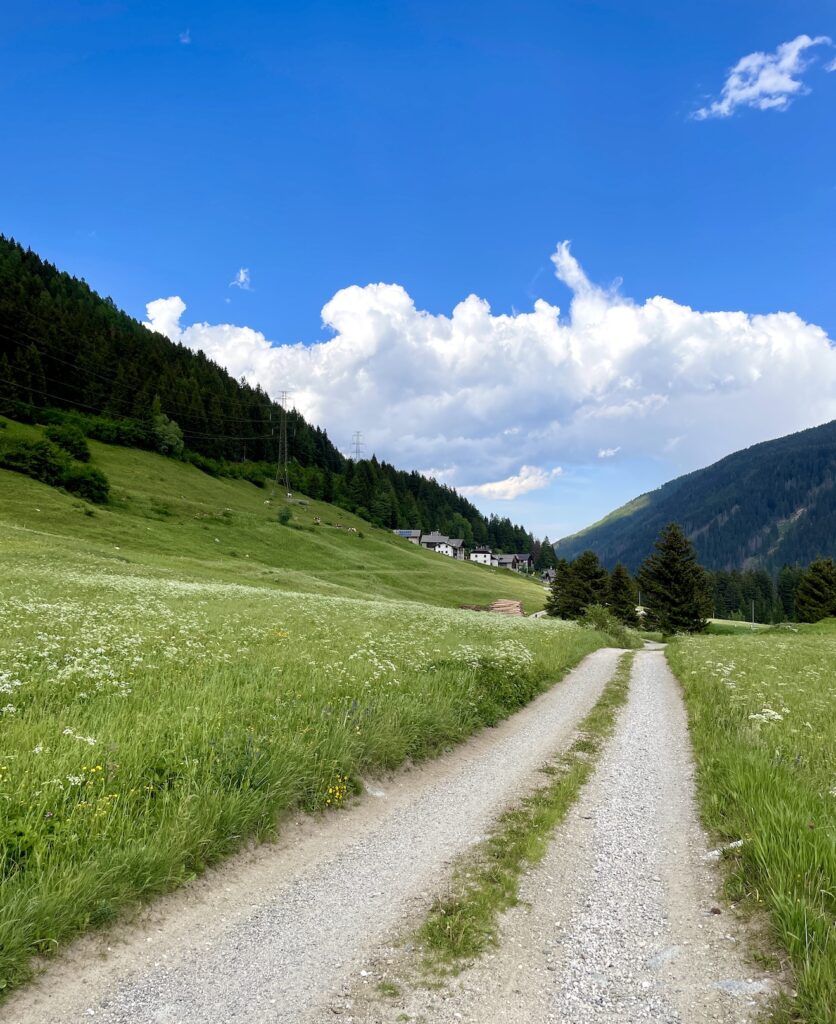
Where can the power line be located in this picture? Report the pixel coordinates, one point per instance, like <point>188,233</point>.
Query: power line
<point>107,378</point>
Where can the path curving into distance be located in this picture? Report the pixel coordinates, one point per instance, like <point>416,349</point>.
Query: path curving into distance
<point>623,923</point>
<point>272,934</point>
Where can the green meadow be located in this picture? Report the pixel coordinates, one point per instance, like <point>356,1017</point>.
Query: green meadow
<point>178,670</point>
<point>762,709</point>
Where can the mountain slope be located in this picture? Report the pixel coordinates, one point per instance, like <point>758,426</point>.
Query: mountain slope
<point>64,347</point>
<point>767,505</point>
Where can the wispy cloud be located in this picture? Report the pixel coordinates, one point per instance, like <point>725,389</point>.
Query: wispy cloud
<point>529,478</point>
<point>766,81</point>
<point>241,280</point>
<point>185,37</point>
<point>608,453</point>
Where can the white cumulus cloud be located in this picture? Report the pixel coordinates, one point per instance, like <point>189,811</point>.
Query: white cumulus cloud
<point>529,478</point>
<point>766,81</point>
<point>485,394</point>
<point>608,453</point>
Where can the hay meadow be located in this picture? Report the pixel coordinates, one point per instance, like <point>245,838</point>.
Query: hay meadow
<point>178,671</point>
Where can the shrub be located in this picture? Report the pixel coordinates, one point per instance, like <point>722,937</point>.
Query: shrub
<point>284,515</point>
<point>598,617</point>
<point>70,438</point>
<point>87,482</point>
<point>42,460</point>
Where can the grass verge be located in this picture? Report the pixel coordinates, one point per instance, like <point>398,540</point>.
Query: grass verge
<point>762,722</point>
<point>464,923</point>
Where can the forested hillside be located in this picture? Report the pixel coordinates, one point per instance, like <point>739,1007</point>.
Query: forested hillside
<point>763,507</point>
<point>66,352</point>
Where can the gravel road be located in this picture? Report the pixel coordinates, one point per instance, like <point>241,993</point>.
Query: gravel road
<point>623,924</point>
<point>274,933</point>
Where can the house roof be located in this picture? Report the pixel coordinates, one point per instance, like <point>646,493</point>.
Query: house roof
<point>524,557</point>
<point>456,543</point>
<point>407,533</point>
<point>481,551</point>
<point>506,558</point>
<point>434,538</point>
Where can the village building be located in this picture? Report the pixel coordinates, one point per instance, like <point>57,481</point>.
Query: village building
<point>482,555</point>
<point>524,562</point>
<point>452,547</point>
<point>413,536</point>
<point>506,561</point>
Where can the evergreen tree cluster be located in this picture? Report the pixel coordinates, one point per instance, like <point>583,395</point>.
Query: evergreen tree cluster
<point>584,583</point>
<point>72,359</point>
<point>674,587</point>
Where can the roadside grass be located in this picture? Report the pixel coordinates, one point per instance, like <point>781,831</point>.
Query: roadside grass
<point>763,723</point>
<point>153,720</point>
<point>464,923</point>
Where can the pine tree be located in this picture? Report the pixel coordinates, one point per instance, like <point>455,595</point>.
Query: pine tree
<point>577,585</point>
<point>789,580</point>
<point>674,585</point>
<point>621,598</point>
<point>546,558</point>
<point>816,595</point>
<point>554,602</point>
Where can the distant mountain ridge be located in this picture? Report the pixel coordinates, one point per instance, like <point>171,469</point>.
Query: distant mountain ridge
<point>764,506</point>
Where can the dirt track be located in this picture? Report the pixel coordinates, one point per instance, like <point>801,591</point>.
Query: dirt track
<point>274,934</point>
<point>623,923</point>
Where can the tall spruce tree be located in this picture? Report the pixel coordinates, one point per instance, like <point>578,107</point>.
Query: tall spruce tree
<point>621,597</point>
<point>816,595</point>
<point>577,585</point>
<point>673,584</point>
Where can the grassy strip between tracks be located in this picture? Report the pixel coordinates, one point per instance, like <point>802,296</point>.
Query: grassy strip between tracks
<point>465,922</point>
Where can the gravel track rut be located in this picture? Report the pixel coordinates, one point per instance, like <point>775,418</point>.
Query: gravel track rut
<point>270,935</point>
<point>622,924</point>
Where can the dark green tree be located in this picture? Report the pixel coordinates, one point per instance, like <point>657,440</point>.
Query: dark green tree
<point>621,596</point>
<point>577,585</point>
<point>546,558</point>
<point>816,596</point>
<point>673,584</point>
<point>789,580</point>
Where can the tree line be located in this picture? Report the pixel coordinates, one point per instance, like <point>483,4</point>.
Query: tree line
<point>673,593</point>
<point>69,356</point>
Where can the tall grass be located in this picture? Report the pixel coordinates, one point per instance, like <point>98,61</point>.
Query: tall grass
<point>150,723</point>
<point>763,721</point>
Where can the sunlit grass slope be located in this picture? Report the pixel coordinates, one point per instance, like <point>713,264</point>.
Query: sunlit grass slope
<point>168,516</point>
<point>762,708</point>
<point>177,670</point>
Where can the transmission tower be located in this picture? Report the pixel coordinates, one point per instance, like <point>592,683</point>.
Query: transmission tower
<point>357,445</point>
<point>283,456</point>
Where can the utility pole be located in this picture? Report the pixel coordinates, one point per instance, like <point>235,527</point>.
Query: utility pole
<point>357,445</point>
<point>283,456</point>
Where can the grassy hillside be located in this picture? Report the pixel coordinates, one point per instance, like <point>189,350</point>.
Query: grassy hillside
<point>768,505</point>
<point>167,516</point>
<point>178,670</point>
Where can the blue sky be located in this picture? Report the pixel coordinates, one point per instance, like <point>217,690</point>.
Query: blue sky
<point>158,149</point>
